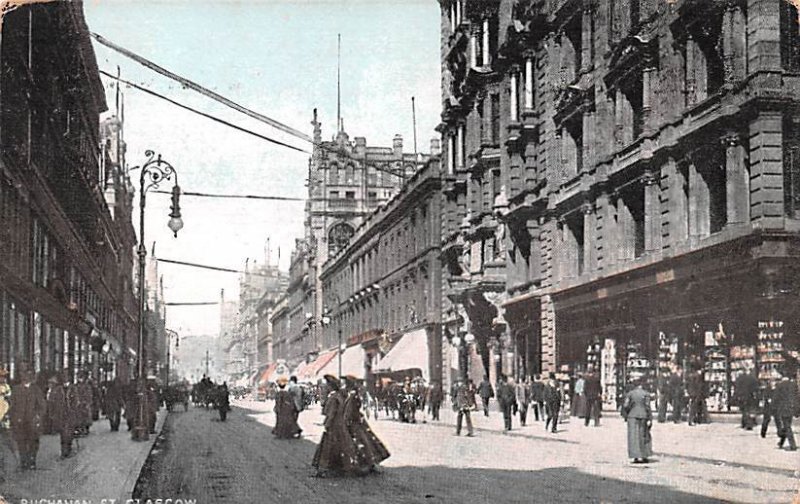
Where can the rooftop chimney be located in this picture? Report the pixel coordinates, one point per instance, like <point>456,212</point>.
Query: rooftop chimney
<point>397,145</point>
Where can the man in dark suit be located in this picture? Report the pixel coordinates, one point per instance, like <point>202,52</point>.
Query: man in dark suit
<point>592,390</point>
<point>745,393</point>
<point>113,403</point>
<point>664,396</point>
<point>676,387</point>
<point>537,397</point>
<point>28,408</point>
<point>486,392</point>
<point>552,398</point>
<point>506,399</point>
<point>785,406</point>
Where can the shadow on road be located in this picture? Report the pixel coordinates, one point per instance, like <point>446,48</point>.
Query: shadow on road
<point>239,461</point>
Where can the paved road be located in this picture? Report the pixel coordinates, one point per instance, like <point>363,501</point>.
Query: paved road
<point>238,461</point>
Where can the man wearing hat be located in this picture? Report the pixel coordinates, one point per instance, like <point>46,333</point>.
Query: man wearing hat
<point>60,415</point>
<point>26,415</point>
<point>785,405</point>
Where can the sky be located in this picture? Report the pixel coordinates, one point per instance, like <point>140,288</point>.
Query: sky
<point>279,59</point>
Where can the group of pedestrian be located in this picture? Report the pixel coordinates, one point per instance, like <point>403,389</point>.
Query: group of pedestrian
<point>683,393</point>
<point>348,445</point>
<point>544,398</point>
<point>289,402</point>
<point>586,400</point>
<point>781,403</point>
<point>31,408</point>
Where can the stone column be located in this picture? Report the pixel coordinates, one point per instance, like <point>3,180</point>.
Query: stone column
<point>647,116</point>
<point>619,123</point>
<point>652,213</point>
<point>690,78</point>
<point>589,229</point>
<point>766,169</point>
<point>513,98</point>
<point>727,45</point>
<point>485,52</point>
<point>699,218</point>
<point>739,44</point>
<point>473,50</point>
<point>737,180</point>
<point>529,83</point>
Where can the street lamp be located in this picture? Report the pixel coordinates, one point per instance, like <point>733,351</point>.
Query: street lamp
<point>463,352</point>
<point>154,171</point>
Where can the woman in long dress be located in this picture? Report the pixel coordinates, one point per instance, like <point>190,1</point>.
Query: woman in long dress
<point>370,450</point>
<point>336,452</point>
<point>285,413</point>
<point>637,413</point>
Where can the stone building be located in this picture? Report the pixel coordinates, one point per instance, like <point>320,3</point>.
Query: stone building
<point>66,288</point>
<point>381,291</point>
<point>622,180</point>
<point>348,181</point>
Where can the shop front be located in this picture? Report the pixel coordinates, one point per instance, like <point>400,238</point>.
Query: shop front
<point>720,312</point>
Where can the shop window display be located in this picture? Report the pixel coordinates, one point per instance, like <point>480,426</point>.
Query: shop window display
<point>609,376</point>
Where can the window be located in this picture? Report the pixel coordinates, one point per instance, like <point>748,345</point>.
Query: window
<point>350,195</point>
<point>790,37</point>
<point>339,236</point>
<point>334,195</point>
<point>572,148</point>
<point>495,131</point>
<point>496,184</point>
<point>572,50</point>
<point>791,161</point>
<point>573,227</point>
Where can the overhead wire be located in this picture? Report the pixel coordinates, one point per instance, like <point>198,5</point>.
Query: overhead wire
<point>200,89</point>
<point>204,114</point>
<point>243,196</point>
<point>205,266</point>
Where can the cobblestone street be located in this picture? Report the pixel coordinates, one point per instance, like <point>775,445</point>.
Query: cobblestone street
<point>227,462</point>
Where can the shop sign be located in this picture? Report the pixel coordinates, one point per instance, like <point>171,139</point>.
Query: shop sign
<point>665,276</point>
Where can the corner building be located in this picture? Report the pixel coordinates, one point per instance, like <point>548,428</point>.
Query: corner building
<point>633,165</point>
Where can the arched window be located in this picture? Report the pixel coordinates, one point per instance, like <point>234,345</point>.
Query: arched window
<point>339,236</point>
<point>333,174</point>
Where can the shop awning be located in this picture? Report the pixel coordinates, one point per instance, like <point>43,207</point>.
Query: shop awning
<point>411,352</point>
<point>353,359</point>
<point>267,373</point>
<point>311,372</point>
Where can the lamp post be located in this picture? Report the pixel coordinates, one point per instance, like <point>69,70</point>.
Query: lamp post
<point>462,346</point>
<point>154,171</point>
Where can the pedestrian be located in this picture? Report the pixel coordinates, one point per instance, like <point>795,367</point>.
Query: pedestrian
<point>130,398</point>
<point>523,393</point>
<point>335,453</point>
<point>745,395</point>
<point>85,401</point>
<point>222,401</point>
<point>285,413</point>
<point>298,397</point>
<point>552,398</point>
<point>537,397</point>
<point>506,399</point>
<point>6,445</point>
<point>767,395</point>
<point>592,393</point>
<point>60,416</point>
<point>677,391</point>
<point>463,403</point>
<point>785,405</point>
<point>113,403</point>
<point>664,395</point>
<point>370,451</point>
<point>578,403</point>
<point>636,412</point>
<point>486,392</point>
<point>27,411</point>
<point>695,387</point>
<point>96,399</point>
<point>435,398</point>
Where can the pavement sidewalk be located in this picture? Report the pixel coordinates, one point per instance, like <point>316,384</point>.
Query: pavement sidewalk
<point>106,466</point>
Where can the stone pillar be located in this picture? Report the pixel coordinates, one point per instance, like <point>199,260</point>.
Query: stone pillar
<point>529,83</point>
<point>586,41</point>
<point>625,235</point>
<point>737,180</point>
<point>587,154</point>
<point>473,50</point>
<point>485,48</point>
<point>513,98</point>
<point>647,116</point>
<point>763,35</point>
<point>727,45</point>
<point>739,44</point>
<point>652,213</point>
<point>606,246</point>
<point>690,78</point>
<point>677,204</point>
<point>460,147</point>
<point>619,123</point>
<point>589,228</point>
<point>699,198</point>
<point>766,169</point>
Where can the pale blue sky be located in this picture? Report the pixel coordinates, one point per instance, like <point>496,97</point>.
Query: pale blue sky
<point>278,58</point>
